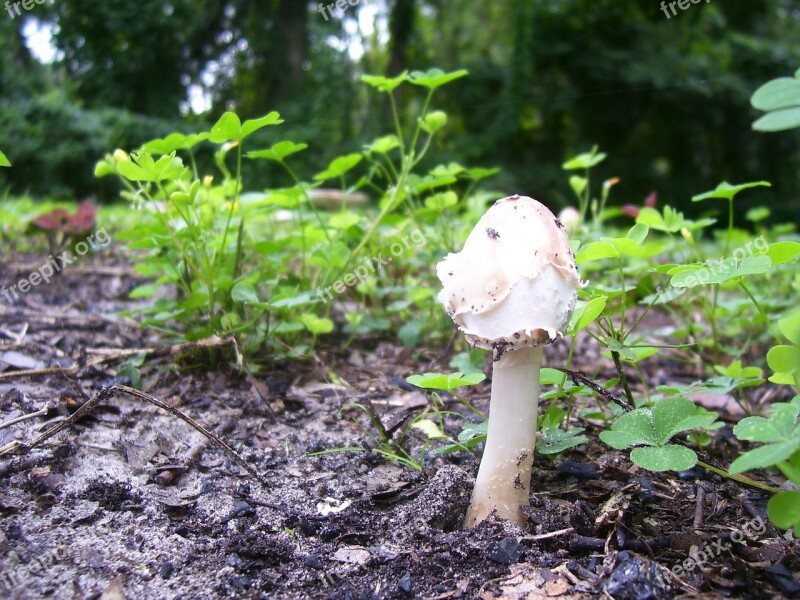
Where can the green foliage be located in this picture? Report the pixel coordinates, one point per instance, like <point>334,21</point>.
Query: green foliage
<point>780,99</point>
<point>4,162</point>
<point>447,383</point>
<point>653,428</point>
<point>239,271</point>
<point>784,359</point>
<point>780,436</point>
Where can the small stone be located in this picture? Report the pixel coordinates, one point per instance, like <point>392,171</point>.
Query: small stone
<point>506,552</point>
<point>405,584</point>
<point>166,570</point>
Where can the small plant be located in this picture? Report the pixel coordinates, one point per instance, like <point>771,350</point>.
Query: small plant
<point>63,229</point>
<point>652,429</point>
<point>780,436</point>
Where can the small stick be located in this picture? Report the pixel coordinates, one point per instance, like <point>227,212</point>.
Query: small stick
<point>579,377</point>
<point>39,413</point>
<point>699,507</point>
<point>547,536</point>
<point>108,393</point>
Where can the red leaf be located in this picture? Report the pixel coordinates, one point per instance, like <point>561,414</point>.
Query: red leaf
<point>631,210</point>
<point>651,200</point>
<point>48,221</point>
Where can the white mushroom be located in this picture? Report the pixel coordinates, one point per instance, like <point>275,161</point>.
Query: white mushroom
<point>511,289</point>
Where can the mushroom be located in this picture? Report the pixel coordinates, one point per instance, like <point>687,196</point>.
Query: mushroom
<point>511,290</point>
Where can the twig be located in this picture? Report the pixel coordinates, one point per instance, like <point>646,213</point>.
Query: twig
<point>699,507</point>
<point>580,378</point>
<point>106,394</point>
<point>551,534</point>
<point>39,413</point>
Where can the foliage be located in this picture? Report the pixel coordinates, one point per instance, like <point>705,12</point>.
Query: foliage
<point>780,99</point>
<point>240,269</point>
<point>651,429</point>
<point>780,434</point>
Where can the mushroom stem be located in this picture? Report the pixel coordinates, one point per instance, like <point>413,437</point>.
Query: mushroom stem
<point>504,476</point>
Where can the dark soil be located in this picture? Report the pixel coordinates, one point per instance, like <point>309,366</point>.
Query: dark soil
<point>132,503</point>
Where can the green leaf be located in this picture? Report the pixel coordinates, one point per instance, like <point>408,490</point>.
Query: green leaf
<point>764,456</point>
<point>784,360</point>
<point>727,191</point>
<point>434,121</point>
<point>779,427</point>
<point>439,381</point>
<point>315,324</point>
<point>435,78</point>
<point>779,120</point>
<point>279,151</point>
<point>673,415</point>
<point>631,429</point>
<point>227,128</point>
<point>245,293</point>
<point>102,168</point>
<point>665,458</point>
<point>253,125</point>
<point>133,172</point>
<point>638,233</point>
<point>783,92</point>
<point>439,202</point>
<point>383,145</point>
<point>4,162</point>
<point>385,84</point>
<point>790,328</point>
<point>782,252</point>
<point>585,313</point>
<point>557,440</point>
<point>478,173</point>
<point>722,271</point>
<point>609,248</point>
<point>578,184</point>
<point>173,142</point>
<point>587,160</point>
<point>783,509</point>
<point>339,166</point>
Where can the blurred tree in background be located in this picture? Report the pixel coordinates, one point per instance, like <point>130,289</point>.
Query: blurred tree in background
<point>667,98</point>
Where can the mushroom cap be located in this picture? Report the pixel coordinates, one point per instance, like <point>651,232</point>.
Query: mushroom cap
<point>515,282</point>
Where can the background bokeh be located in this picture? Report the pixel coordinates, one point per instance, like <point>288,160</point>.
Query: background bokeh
<point>667,98</point>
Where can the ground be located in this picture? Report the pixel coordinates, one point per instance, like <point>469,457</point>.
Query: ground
<point>133,503</point>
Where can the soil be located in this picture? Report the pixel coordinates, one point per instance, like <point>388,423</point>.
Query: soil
<point>132,502</point>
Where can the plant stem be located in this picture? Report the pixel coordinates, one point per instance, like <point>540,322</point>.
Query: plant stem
<point>739,478</point>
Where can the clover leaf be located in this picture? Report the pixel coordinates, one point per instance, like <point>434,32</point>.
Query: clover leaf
<point>652,428</point>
